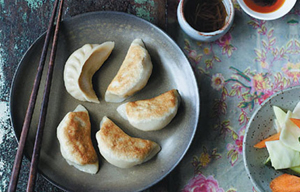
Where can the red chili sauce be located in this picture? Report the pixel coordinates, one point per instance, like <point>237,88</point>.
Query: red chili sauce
<point>264,6</point>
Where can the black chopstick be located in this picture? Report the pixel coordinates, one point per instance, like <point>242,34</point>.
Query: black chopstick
<point>31,105</point>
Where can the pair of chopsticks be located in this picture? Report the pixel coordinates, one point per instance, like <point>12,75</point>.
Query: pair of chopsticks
<point>29,112</point>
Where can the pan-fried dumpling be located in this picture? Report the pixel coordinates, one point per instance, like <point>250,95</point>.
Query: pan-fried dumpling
<point>133,74</point>
<point>74,136</point>
<point>120,149</point>
<point>151,114</point>
<point>80,68</point>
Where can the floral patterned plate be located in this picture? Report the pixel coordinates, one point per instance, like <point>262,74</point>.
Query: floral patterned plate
<point>260,126</point>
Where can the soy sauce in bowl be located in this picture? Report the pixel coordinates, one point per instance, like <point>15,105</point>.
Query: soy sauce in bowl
<point>205,20</point>
<point>205,15</point>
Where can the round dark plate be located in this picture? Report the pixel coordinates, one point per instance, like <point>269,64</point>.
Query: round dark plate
<point>171,70</point>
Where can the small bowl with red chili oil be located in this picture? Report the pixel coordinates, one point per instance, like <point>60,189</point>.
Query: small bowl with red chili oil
<point>267,9</point>
<point>205,20</point>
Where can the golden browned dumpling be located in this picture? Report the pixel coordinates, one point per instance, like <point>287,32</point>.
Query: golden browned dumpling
<point>120,149</point>
<point>151,114</point>
<point>74,136</point>
<point>133,74</point>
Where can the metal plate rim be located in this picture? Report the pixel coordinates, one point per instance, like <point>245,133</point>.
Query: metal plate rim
<point>197,104</point>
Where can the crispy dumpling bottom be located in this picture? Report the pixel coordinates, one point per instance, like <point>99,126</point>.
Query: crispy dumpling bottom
<point>151,114</point>
<point>120,149</point>
<point>74,136</point>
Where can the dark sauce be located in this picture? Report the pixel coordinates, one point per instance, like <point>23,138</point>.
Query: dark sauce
<point>264,2</point>
<point>205,15</point>
<point>264,6</point>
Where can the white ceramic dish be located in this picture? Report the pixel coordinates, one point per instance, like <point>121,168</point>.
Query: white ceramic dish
<point>205,36</point>
<point>283,10</point>
<point>260,126</point>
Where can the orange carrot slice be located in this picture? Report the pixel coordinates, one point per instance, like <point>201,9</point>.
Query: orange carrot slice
<point>285,183</point>
<point>296,121</point>
<point>262,144</point>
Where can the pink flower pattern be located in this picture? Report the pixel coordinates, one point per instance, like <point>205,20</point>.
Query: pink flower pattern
<point>225,43</point>
<point>202,184</point>
<point>270,66</point>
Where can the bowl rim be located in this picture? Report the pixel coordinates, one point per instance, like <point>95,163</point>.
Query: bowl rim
<point>254,183</point>
<point>225,27</point>
<point>271,15</point>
